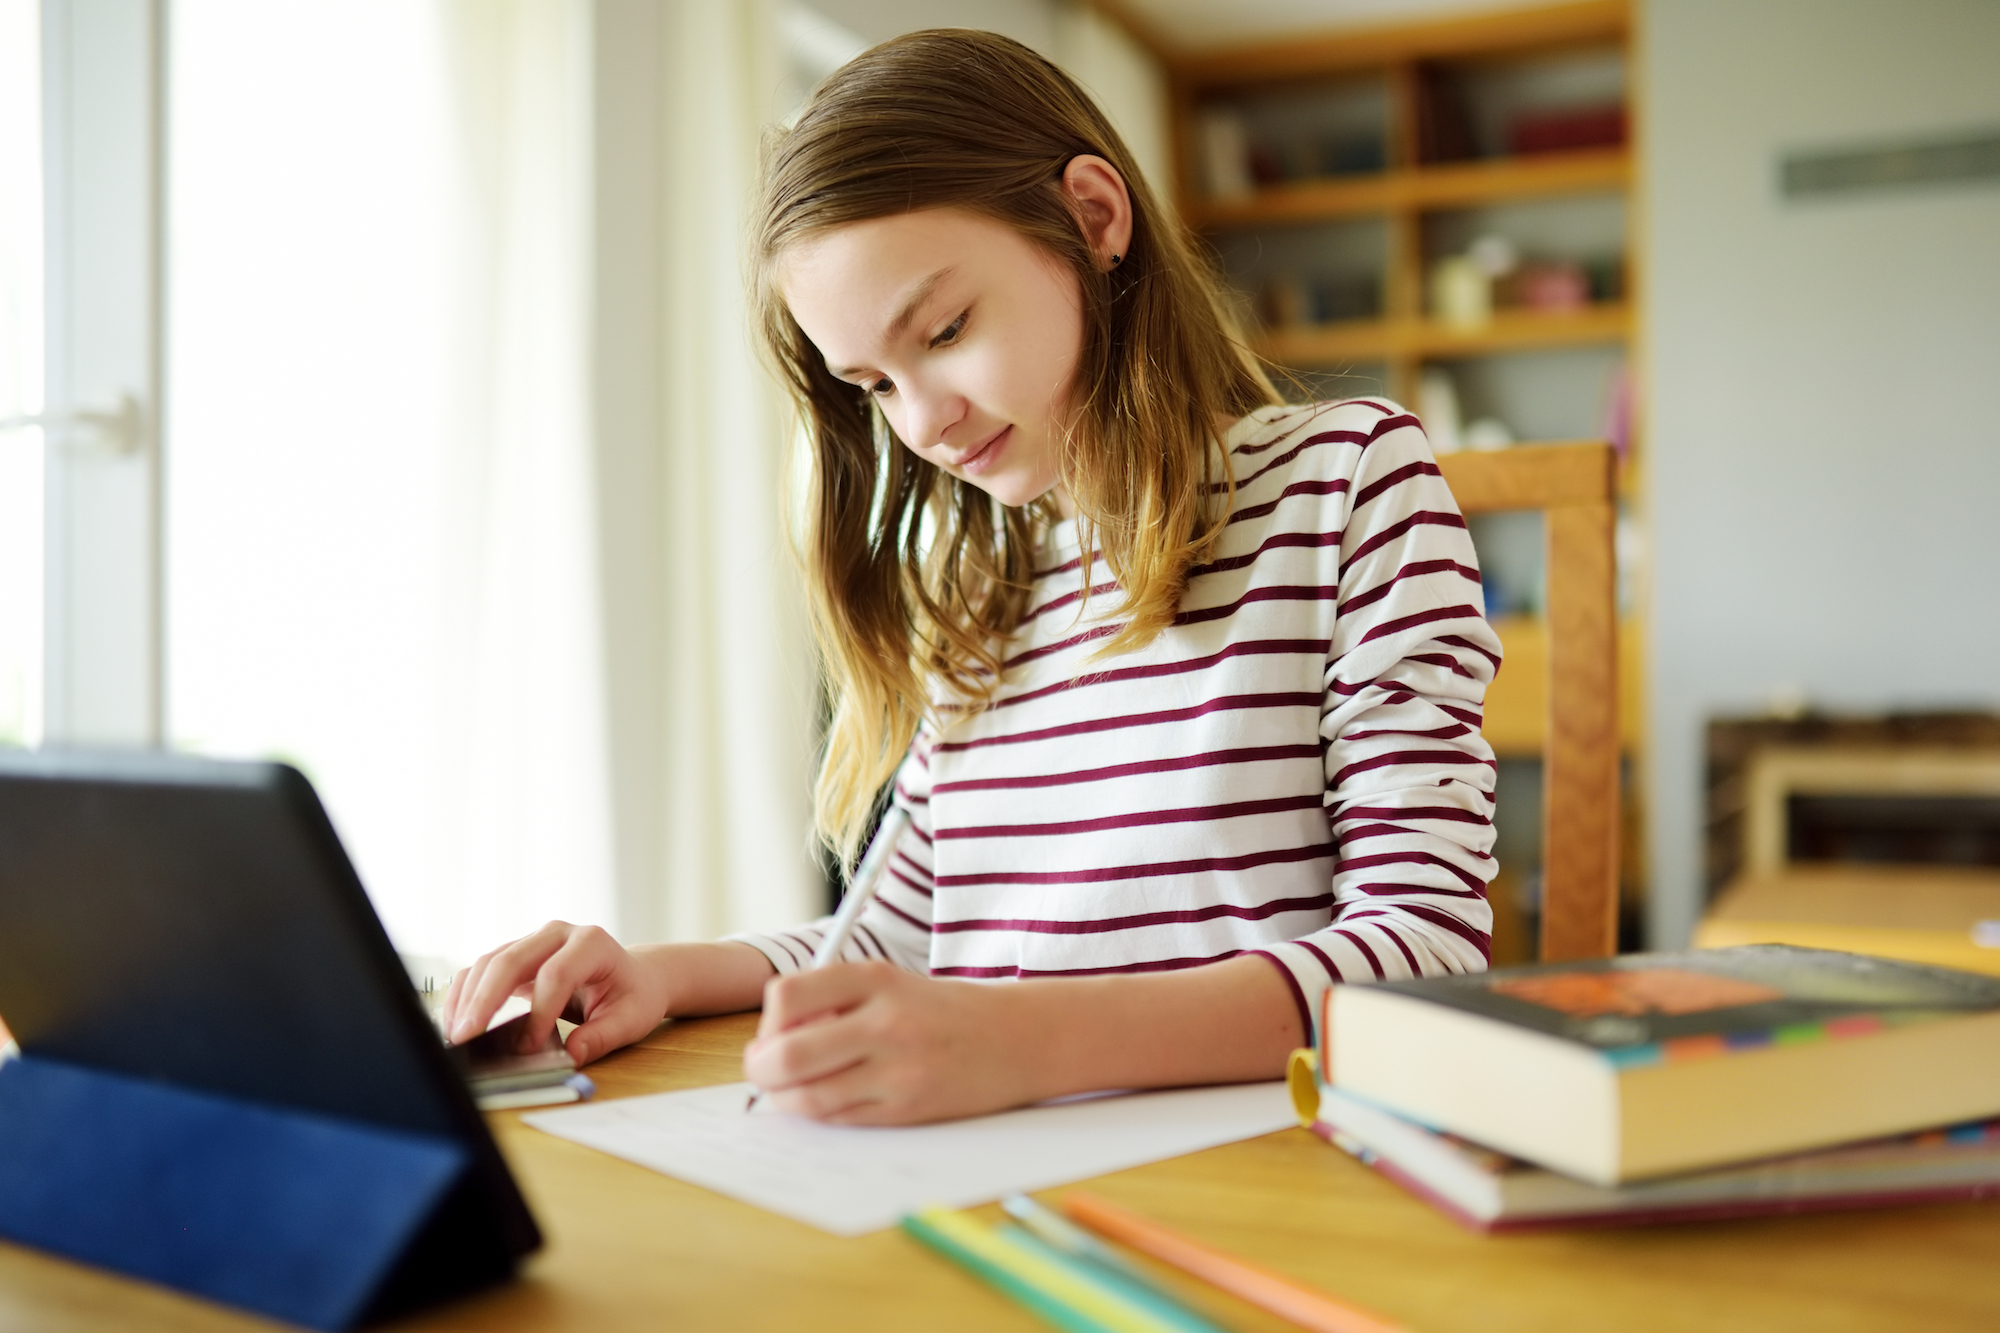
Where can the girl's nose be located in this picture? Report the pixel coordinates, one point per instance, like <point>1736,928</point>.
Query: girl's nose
<point>930,419</point>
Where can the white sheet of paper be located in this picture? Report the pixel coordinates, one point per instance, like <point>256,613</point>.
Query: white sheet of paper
<point>851,1180</point>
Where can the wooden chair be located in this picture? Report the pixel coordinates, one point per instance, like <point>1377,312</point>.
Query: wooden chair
<point>1573,486</point>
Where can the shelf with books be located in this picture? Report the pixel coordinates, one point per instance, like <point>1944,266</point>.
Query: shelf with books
<point>1364,48</point>
<point>1439,185</point>
<point>1382,339</point>
<point>1492,155</point>
<point>1437,212</point>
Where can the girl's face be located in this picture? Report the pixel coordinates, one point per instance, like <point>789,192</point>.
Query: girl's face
<point>964,332</point>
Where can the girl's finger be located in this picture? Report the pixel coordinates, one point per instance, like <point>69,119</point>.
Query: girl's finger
<point>507,970</point>
<point>807,1052</point>
<point>873,1109</point>
<point>463,1025</point>
<point>460,1000</point>
<point>451,994</point>
<point>847,1096</point>
<point>805,996</point>
<point>621,1022</point>
<point>580,959</point>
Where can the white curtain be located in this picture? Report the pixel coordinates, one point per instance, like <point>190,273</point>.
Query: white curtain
<point>741,726</point>
<point>697,565</point>
<point>474,481</point>
<point>523,716</point>
<point>473,504</point>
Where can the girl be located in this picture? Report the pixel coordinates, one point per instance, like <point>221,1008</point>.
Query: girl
<point>1181,686</point>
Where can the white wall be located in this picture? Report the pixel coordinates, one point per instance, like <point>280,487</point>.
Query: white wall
<point>1824,449</point>
<point>1126,80</point>
<point>1031,22</point>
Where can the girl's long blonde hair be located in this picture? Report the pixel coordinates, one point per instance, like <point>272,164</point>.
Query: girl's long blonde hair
<point>916,578</point>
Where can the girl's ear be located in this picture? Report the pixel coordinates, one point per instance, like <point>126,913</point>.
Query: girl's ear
<point>1103,206</point>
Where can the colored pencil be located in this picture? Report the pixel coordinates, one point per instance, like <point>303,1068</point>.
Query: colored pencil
<point>1143,1294</point>
<point>1059,1285</point>
<point>1062,1316</point>
<point>1283,1297</point>
<point>1059,1233</point>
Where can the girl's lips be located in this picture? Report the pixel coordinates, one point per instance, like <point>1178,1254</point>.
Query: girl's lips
<point>985,455</point>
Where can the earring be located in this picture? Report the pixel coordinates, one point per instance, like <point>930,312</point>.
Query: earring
<point>1116,260</point>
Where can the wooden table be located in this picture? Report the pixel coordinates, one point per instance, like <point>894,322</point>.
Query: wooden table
<point>629,1249</point>
<point>1926,914</point>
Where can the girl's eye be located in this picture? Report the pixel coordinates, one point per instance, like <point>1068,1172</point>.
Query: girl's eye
<point>951,332</point>
<point>882,388</point>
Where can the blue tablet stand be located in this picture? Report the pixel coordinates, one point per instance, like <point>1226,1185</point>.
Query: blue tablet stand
<point>292,1214</point>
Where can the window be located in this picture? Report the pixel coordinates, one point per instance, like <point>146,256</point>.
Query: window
<point>20,372</point>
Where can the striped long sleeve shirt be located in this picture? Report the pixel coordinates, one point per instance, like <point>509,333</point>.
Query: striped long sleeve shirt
<point>1293,769</point>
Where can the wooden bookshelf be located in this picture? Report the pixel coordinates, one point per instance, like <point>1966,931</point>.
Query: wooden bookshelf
<point>1314,230</point>
<point>1414,187</point>
<point>1474,36</point>
<point>1442,185</point>
<point>1422,339</point>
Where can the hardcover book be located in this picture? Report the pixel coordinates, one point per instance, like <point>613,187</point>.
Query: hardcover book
<point>1650,1064</point>
<point>1490,1191</point>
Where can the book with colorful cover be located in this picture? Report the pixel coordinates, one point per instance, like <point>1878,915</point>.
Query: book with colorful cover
<point>1491,1191</point>
<point>1619,1069</point>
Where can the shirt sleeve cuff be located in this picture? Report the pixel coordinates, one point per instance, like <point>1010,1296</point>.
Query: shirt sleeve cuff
<point>1306,976</point>
<point>789,950</point>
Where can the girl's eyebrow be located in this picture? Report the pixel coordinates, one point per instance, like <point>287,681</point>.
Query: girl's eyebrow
<point>907,312</point>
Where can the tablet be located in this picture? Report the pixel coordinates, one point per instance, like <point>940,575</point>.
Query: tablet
<point>196,922</point>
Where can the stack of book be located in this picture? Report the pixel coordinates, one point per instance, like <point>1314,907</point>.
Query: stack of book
<point>1657,1087</point>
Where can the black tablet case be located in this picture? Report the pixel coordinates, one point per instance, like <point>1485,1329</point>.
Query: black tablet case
<point>227,1084</point>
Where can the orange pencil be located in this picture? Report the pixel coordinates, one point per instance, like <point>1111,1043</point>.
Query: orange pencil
<point>1280,1295</point>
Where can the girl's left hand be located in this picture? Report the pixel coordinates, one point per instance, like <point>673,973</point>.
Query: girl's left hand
<point>871,1044</point>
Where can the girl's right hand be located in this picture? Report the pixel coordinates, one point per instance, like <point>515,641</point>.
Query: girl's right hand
<point>575,972</point>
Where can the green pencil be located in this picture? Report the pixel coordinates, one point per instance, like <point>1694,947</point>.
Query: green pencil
<point>1043,1304</point>
<point>1140,1291</point>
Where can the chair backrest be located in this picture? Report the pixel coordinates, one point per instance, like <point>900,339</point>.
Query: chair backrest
<point>1574,487</point>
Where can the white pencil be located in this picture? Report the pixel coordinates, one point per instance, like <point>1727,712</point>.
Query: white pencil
<point>860,892</point>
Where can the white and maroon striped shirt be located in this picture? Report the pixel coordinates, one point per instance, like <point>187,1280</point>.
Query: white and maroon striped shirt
<point>1293,769</point>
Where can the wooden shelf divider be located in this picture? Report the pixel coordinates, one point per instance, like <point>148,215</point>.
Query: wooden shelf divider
<point>1446,185</point>
<point>1464,37</point>
<point>1387,339</point>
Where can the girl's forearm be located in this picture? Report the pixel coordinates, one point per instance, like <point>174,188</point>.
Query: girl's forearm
<point>1228,1022</point>
<point>726,977</point>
